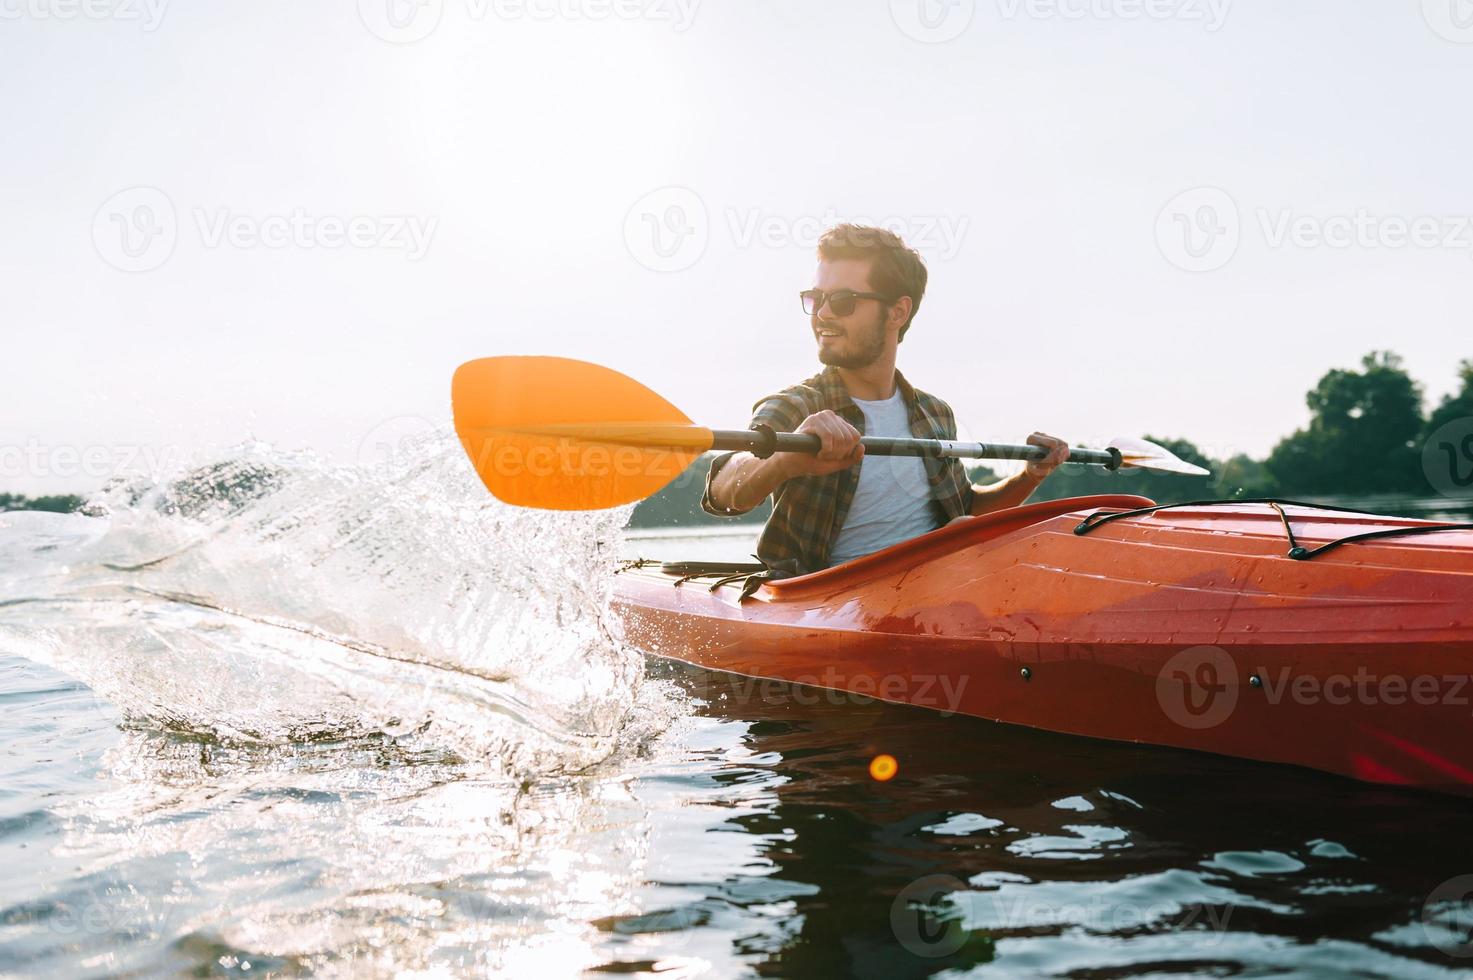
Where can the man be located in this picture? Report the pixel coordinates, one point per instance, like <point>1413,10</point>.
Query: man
<point>838,505</point>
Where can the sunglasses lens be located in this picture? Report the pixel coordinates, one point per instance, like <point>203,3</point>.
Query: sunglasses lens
<point>842,303</point>
<point>812,301</point>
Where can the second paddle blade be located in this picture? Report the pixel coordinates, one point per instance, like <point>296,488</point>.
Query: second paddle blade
<point>563,434</point>
<point>1143,455</point>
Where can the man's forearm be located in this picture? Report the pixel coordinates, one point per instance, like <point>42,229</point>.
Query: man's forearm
<point>745,481</point>
<point>1010,492</point>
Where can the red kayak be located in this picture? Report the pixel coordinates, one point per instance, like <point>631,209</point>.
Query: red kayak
<point>1274,631</point>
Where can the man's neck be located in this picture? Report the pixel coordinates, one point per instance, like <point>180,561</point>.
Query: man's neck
<point>873,382</point>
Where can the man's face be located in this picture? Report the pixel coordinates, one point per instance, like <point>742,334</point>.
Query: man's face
<point>859,339</point>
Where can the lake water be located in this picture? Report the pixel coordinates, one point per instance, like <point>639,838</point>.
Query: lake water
<point>274,718</point>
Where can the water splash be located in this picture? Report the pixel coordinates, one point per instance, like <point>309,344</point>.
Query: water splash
<point>268,597</point>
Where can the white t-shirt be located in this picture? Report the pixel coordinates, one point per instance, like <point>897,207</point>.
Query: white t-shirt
<point>893,501</point>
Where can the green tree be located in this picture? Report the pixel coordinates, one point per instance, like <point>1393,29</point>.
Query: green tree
<point>1244,476</point>
<point>61,504</point>
<point>1458,405</point>
<point>1361,437</point>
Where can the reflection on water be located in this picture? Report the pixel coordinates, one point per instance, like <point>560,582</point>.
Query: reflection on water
<point>749,838</point>
<point>1019,852</point>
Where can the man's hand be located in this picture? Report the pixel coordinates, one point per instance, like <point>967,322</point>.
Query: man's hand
<point>841,446</point>
<point>745,481</point>
<point>1058,452</point>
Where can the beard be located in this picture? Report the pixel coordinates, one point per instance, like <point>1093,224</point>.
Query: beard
<point>866,346</point>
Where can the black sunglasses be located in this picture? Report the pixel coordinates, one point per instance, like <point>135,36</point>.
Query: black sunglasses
<point>841,301</point>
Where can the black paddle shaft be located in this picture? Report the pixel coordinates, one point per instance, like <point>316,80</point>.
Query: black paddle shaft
<point>763,443</point>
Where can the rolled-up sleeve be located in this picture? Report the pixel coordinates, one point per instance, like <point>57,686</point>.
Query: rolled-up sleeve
<point>779,413</point>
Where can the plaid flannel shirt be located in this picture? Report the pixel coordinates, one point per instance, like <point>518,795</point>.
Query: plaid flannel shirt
<point>808,511</point>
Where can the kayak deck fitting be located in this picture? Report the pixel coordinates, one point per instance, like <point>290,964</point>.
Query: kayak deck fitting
<point>1184,625</point>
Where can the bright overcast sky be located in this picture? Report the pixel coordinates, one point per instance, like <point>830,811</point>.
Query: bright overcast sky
<point>292,220</point>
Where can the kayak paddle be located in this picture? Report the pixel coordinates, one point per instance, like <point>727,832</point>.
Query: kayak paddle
<point>562,434</point>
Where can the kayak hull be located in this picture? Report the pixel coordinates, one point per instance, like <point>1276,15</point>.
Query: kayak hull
<point>1188,628</point>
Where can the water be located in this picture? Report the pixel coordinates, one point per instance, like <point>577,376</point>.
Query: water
<point>276,718</point>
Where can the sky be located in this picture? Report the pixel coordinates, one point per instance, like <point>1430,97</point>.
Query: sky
<point>289,221</point>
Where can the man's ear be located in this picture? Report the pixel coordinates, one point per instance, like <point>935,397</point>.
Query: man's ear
<point>899,313</point>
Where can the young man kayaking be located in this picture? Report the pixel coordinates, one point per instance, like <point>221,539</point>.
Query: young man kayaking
<point>838,506</point>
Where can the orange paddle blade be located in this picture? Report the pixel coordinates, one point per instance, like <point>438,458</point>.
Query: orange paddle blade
<point>561,434</point>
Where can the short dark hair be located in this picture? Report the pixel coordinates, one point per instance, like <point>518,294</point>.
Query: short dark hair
<point>895,268</point>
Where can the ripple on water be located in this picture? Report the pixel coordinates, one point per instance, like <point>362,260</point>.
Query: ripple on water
<point>1088,842</point>
<point>1254,864</point>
